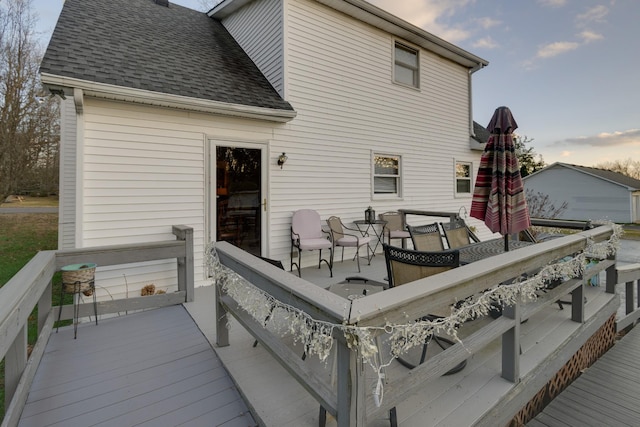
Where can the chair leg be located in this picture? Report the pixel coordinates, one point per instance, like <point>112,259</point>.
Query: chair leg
<point>322,418</point>
<point>393,417</point>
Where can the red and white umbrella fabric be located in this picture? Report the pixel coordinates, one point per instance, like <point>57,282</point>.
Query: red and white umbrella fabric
<point>498,196</point>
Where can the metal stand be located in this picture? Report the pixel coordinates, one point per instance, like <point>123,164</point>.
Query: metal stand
<point>77,286</point>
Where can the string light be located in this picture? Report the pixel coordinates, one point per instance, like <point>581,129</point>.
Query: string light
<point>317,336</point>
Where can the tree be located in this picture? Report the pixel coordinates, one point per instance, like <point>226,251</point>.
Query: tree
<point>530,161</point>
<point>626,167</point>
<point>29,134</point>
<point>540,205</point>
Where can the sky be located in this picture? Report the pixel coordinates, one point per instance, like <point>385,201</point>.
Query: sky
<point>567,69</point>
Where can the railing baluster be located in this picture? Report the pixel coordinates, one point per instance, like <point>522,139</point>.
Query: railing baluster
<point>14,364</point>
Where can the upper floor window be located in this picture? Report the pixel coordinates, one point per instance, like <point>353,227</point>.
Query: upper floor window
<point>406,66</point>
<point>386,174</point>
<point>463,178</point>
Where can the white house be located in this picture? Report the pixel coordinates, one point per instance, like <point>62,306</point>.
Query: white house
<point>590,193</point>
<point>172,116</point>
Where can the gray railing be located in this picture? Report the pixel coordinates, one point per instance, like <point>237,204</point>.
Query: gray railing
<point>350,404</point>
<point>630,276</point>
<point>32,286</point>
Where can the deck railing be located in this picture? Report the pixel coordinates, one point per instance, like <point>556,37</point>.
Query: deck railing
<point>351,404</point>
<point>32,287</point>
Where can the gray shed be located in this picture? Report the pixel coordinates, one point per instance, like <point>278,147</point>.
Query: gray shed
<point>591,193</point>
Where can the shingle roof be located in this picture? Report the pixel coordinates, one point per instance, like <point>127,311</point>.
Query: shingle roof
<point>609,175</point>
<point>139,44</point>
<point>481,134</point>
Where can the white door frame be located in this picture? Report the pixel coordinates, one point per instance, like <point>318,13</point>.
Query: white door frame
<point>210,196</point>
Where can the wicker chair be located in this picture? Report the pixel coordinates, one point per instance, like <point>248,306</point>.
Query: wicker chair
<point>394,227</point>
<point>426,237</point>
<point>458,234</point>
<point>406,265</point>
<point>344,236</point>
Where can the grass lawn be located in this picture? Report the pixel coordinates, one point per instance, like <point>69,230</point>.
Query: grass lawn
<point>21,237</point>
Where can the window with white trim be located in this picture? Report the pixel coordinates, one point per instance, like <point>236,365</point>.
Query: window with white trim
<point>463,177</point>
<point>406,69</point>
<point>386,175</point>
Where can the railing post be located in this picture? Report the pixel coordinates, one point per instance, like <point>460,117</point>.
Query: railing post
<point>511,345</point>
<point>629,298</point>
<point>185,264</point>
<point>351,387</point>
<point>611,277</point>
<point>222,319</point>
<point>15,362</point>
<point>577,303</point>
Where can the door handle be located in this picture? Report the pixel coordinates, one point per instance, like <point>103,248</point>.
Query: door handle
<point>264,205</point>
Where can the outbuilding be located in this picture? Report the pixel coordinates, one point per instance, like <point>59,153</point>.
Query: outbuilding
<point>590,193</point>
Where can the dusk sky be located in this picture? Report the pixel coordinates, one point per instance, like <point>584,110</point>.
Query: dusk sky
<point>567,69</point>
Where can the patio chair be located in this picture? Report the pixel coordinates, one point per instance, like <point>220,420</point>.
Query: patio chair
<point>406,265</point>
<point>394,228</point>
<point>458,234</point>
<point>307,235</point>
<point>340,236</point>
<point>426,237</point>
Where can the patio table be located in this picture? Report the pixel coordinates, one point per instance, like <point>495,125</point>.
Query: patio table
<point>366,226</point>
<point>488,248</point>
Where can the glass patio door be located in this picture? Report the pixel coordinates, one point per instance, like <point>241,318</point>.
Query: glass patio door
<point>239,199</point>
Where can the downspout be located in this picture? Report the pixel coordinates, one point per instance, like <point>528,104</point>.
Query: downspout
<point>471,71</point>
<point>78,99</point>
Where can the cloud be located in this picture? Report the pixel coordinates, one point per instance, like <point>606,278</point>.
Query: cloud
<point>485,43</point>
<point>566,153</point>
<point>590,36</point>
<point>556,48</point>
<point>488,22</point>
<point>595,14</point>
<point>426,15</point>
<point>553,3</point>
<point>627,137</point>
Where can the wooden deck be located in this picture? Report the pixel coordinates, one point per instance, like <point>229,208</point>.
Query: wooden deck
<point>606,394</point>
<point>152,368</point>
<point>157,368</point>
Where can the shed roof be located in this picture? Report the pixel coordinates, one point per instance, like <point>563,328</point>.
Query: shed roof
<point>608,175</point>
<point>142,45</point>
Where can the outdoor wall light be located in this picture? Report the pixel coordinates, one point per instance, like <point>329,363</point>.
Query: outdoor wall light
<point>282,158</point>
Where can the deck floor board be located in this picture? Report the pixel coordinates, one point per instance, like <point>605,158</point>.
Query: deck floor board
<point>607,393</point>
<point>150,368</point>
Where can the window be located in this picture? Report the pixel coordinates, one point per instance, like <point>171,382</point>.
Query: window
<point>406,66</point>
<point>386,174</point>
<point>463,178</point>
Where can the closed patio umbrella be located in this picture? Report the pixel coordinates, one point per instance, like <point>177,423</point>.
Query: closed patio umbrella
<point>498,196</point>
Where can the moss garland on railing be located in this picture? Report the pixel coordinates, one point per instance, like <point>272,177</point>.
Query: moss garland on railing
<point>317,336</point>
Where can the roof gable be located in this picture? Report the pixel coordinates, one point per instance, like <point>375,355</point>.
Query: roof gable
<point>173,50</point>
<point>366,12</point>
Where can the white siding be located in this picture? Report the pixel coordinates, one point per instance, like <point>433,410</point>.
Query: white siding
<point>145,171</point>
<point>339,80</point>
<point>67,190</point>
<point>588,197</point>
<point>258,27</point>
<point>145,167</point>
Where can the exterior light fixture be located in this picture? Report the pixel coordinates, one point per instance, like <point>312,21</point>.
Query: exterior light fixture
<point>282,158</point>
